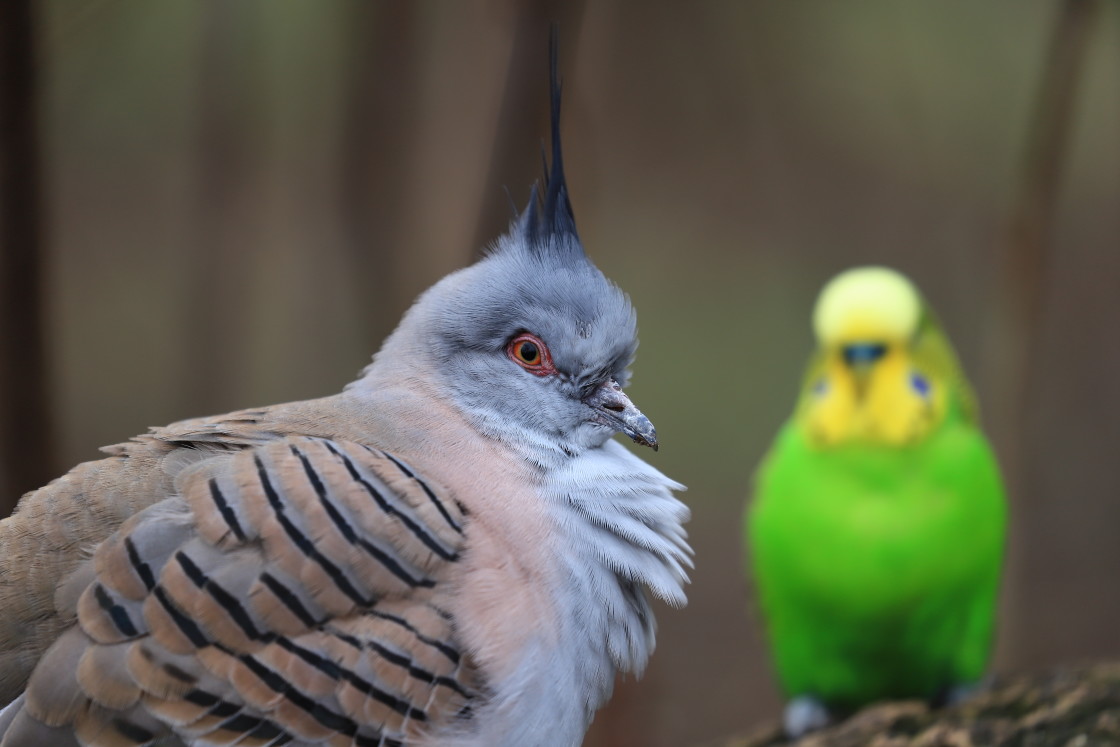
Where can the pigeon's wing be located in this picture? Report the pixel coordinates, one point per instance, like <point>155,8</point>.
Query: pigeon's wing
<point>288,592</point>
<point>54,528</point>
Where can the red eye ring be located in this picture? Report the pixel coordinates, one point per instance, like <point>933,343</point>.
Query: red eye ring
<point>530,353</point>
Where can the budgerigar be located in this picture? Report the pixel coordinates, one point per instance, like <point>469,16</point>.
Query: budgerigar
<point>876,531</point>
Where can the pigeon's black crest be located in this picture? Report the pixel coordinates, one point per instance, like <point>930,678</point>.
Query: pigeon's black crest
<point>551,217</point>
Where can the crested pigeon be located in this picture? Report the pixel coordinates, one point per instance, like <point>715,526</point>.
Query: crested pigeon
<point>451,551</point>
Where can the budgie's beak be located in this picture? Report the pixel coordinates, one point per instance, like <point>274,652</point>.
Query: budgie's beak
<point>862,355</point>
<point>616,411</point>
<point>860,358</point>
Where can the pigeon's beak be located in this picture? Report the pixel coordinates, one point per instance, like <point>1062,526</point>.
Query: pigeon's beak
<point>615,410</point>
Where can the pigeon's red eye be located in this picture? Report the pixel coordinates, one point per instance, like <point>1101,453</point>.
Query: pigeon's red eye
<point>530,353</point>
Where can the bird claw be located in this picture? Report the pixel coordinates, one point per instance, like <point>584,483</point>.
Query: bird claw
<point>804,714</point>
<point>959,693</point>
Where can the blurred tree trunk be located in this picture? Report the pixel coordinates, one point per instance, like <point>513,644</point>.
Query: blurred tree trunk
<point>1026,255</point>
<point>217,276</point>
<point>1031,219</point>
<point>381,205</point>
<point>25,417</point>
<point>379,136</point>
<point>524,115</point>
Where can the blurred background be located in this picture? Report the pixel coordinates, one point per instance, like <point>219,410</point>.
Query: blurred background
<point>213,205</point>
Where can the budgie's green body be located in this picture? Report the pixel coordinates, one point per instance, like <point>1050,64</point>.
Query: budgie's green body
<point>877,529</point>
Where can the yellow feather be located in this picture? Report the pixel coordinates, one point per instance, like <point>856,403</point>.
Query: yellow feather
<point>867,303</point>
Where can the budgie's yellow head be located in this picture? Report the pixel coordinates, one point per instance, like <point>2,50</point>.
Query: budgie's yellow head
<point>871,381</point>
<point>867,304</point>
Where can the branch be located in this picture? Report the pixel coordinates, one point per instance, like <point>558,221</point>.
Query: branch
<point>1078,706</point>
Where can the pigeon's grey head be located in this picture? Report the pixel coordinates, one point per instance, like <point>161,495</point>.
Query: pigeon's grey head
<point>533,341</point>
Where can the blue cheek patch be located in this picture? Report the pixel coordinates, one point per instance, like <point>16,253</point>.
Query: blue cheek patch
<point>820,388</point>
<point>920,384</point>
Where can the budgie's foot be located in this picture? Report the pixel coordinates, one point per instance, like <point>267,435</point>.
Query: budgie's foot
<point>804,714</point>
<point>956,694</point>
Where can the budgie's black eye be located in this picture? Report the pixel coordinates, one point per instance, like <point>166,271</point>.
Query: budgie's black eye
<point>530,353</point>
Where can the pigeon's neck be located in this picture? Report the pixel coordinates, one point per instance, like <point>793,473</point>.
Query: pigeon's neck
<point>624,539</point>
<point>621,514</point>
<point>590,544</point>
<point>419,394</point>
<point>545,451</point>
